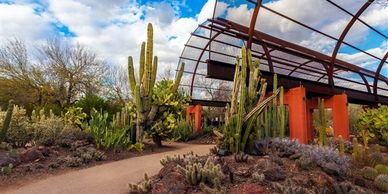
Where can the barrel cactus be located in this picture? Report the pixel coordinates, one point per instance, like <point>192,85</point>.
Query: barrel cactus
<point>381,182</point>
<point>375,159</point>
<point>369,173</point>
<point>381,169</point>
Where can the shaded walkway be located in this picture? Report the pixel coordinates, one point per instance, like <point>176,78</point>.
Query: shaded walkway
<point>110,178</point>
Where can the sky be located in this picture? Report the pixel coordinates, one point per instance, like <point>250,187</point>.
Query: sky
<point>114,29</point>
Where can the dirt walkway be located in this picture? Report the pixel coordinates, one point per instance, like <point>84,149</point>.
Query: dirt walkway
<point>110,178</point>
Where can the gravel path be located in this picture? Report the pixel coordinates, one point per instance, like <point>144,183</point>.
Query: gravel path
<point>110,178</point>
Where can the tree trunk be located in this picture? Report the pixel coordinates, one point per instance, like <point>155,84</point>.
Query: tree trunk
<point>157,140</point>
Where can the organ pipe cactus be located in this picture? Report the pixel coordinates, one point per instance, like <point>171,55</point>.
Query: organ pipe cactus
<point>248,102</point>
<point>142,89</point>
<point>7,121</point>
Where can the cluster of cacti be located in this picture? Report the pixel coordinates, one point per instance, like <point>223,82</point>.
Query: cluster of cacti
<point>196,173</point>
<point>126,119</point>
<point>244,120</point>
<point>381,169</point>
<point>321,123</point>
<point>143,187</point>
<point>347,188</point>
<point>6,169</point>
<point>241,157</point>
<point>142,89</point>
<point>290,188</point>
<point>258,177</point>
<point>369,173</point>
<point>375,158</point>
<point>381,182</point>
<point>7,121</point>
<point>359,153</point>
<point>176,158</point>
<point>341,145</point>
<point>305,163</point>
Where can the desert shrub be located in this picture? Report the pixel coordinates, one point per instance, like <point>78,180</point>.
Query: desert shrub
<point>184,131</point>
<point>354,111</point>
<point>90,102</point>
<point>325,157</point>
<point>70,135</point>
<point>19,132</point>
<point>105,134</point>
<point>74,116</point>
<point>47,128</point>
<point>375,121</point>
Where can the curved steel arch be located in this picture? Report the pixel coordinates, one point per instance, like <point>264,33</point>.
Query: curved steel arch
<point>342,37</point>
<point>200,56</point>
<point>377,74</point>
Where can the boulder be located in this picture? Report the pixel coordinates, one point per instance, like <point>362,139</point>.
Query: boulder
<point>5,160</point>
<point>30,154</point>
<point>171,183</point>
<point>275,173</point>
<point>169,167</point>
<point>247,188</point>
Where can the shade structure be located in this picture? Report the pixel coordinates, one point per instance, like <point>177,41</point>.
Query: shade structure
<point>325,53</point>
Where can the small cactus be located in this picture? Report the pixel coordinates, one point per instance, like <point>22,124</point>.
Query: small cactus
<point>347,188</point>
<point>168,159</point>
<point>207,190</point>
<point>7,121</point>
<point>142,187</point>
<point>259,177</point>
<point>375,159</point>
<point>381,182</point>
<point>305,163</point>
<point>381,169</point>
<point>196,173</point>
<point>341,145</point>
<point>369,173</point>
<point>241,157</point>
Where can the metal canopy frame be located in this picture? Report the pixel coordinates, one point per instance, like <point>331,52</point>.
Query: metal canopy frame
<point>316,67</point>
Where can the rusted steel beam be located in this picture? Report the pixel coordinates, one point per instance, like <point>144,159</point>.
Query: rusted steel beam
<point>253,24</point>
<point>212,103</point>
<point>312,87</point>
<point>342,37</point>
<point>366,82</point>
<point>378,71</point>
<point>296,68</point>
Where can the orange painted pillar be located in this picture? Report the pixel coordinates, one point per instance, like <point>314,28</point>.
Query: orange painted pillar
<point>340,115</point>
<point>197,111</point>
<point>296,100</point>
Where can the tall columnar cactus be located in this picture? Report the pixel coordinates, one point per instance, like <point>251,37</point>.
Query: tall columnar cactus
<point>247,104</point>
<point>7,121</point>
<point>142,89</point>
<point>341,145</point>
<point>322,124</point>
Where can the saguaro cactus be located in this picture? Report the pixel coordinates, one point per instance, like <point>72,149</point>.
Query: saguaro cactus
<point>7,121</point>
<point>142,89</point>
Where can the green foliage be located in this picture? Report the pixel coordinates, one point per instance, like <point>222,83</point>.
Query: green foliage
<point>381,169</point>
<point>244,121</point>
<point>184,131</point>
<point>373,124</point>
<point>381,182</point>
<point>74,116</point>
<point>7,121</point>
<point>104,133</point>
<point>369,173</point>
<point>90,102</point>
<point>143,187</point>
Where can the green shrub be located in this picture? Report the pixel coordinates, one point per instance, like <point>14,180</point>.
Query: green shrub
<point>376,122</point>
<point>74,116</point>
<point>104,133</point>
<point>90,102</point>
<point>184,131</point>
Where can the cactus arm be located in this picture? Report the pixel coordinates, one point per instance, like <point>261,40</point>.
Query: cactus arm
<point>142,61</point>
<point>131,75</point>
<point>282,113</point>
<point>236,86</point>
<point>243,90</point>
<point>178,78</point>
